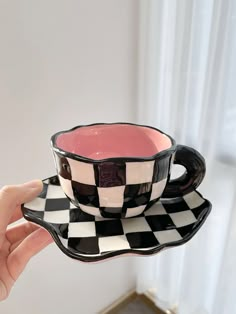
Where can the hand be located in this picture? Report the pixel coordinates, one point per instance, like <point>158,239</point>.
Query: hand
<point>20,242</point>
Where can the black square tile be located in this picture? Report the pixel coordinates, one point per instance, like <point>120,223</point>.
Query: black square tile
<point>43,194</point>
<point>85,194</point>
<point>87,245</point>
<point>109,174</point>
<point>57,204</point>
<point>161,169</point>
<point>54,180</point>
<point>61,230</point>
<point>76,215</point>
<point>200,211</point>
<point>175,206</point>
<point>111,212</point>
<point>137,194</point>
<point>141,239</point>
<point>160,222</point>
<point>109,228</point>
<point>63,166</point>
<point>186,230</point>
<point>137,189</point>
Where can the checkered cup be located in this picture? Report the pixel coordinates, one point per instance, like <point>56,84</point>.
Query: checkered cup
<point>118,170</point>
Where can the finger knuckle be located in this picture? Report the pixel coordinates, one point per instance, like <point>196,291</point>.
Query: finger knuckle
<point>8,189</point>
<point>28,228</point>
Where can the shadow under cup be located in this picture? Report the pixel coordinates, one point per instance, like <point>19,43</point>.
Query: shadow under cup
<point>119,170</point>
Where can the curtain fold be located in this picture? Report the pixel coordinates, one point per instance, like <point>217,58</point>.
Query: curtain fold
<point>186,87</point>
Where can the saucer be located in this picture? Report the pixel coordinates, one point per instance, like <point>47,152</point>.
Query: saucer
<point>167,223</point>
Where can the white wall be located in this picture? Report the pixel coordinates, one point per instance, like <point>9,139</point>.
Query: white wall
<point>63,63</point>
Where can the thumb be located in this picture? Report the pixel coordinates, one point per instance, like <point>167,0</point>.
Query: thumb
<point>14,195</point>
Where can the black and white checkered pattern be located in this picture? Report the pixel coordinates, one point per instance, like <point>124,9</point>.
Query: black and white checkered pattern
<point>85,237</point>
<point>113,188</point>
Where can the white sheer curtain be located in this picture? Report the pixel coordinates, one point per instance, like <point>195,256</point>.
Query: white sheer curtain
<point>187,87</point>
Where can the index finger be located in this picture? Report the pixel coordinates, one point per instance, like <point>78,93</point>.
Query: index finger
<point>13,196</point>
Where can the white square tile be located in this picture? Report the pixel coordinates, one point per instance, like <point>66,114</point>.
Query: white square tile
<point>139,172</point>
<point>193,200</point>
<point>138,224</point>
<point>57,217</point>
<point>134,211</point>
<point>183,218</point>
<point>38,204</point>
<point>66,187</point>
<point>114,242</point>
<point>156,209</point>
<point>111,197</point>
<point>81,229</point>
<point>167,236</point>
<point>90,210</point>
<point>55,191</point>
<point>82,172</point>
<point>157,189</point>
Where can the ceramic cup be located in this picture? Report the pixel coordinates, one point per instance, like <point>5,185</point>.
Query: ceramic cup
<point>119,170</point>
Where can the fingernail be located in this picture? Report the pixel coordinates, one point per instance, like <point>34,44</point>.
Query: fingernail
<point>35,184</point>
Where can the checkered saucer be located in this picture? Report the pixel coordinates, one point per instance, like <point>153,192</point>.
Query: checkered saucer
<point>167,223</point>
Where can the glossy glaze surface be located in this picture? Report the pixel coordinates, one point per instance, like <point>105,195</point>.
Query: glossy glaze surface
<point>113,188</point>
<point>167,223</point>
<point>121,186</point>
<point>195,166</point>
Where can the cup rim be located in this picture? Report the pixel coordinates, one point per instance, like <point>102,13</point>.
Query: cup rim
<point>162,154</point>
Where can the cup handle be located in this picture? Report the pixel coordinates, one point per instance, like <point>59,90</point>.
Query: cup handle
<point>194,164</point>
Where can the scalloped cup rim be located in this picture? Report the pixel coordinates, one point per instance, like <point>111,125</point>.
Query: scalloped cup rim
<point>75,156</point>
